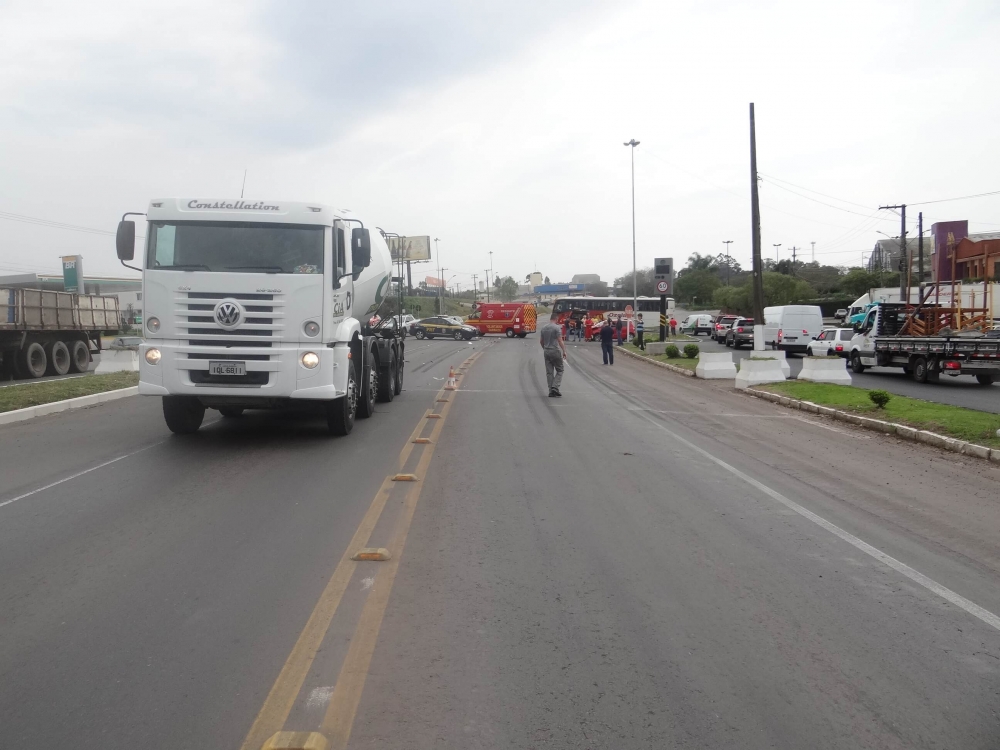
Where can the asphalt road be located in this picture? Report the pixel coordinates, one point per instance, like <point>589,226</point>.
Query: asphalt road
<point>960,390</point>
<point>648,562</point>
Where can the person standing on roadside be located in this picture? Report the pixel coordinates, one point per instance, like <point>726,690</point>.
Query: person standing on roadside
<point>673,326</point>
<point>640,329</point>
<point>554,351</point>
<point>618,329</point>
<point>608,343</point>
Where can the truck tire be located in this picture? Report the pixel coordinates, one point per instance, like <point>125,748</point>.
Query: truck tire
<point>368,389</point>
<point>79,356</point>
<point>34,360</point>
<point>510,333</point>
<point>387,383</point>
<point>920,370</point>
<point>340,412</point>
<point>856,365</point>
<point>400,366</point>
<point>985,379</point>
<point>231,412</point>
<point>59,360</point>
<point>183,414</point>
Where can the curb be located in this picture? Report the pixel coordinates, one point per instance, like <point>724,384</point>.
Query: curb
<point>902,431</point>
<point>20,415</point>
<point>664,365</point>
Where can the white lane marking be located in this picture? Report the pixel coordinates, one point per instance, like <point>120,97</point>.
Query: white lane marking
<point>900,567</point>
<point>853,435</point>
<point>319,697</point>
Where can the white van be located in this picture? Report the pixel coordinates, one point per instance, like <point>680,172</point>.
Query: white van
<point>792,327</point>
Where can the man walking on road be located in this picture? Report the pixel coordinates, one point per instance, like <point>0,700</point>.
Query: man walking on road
<point>554,351</point>
<point>608,343</point>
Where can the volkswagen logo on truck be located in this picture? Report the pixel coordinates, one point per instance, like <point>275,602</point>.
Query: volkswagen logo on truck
<point>228,313</point>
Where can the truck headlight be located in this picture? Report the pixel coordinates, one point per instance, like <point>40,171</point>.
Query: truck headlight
<point>153,324</point>
<point>311,329</point>
<point>153,356</point>
<point>310,360</point>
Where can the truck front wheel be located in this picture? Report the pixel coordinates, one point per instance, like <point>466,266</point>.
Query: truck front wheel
<point>183,414</point>
<point>510,333</point>
<point>856,365</point>
<point>985,379</point>
<point>340,412</point>
<point>34,360</point>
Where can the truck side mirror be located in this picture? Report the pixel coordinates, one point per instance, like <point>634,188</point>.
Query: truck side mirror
<point>361,243</point>
<point>125,240</point>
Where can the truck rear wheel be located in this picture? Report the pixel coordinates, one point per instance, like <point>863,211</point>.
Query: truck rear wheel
<point>920,370</point>
<point>340,412</point>
<point>387,383</point>
<point>369,387</point>
<point>59,360</point>
<point>400,366</point>
<point>183,414</point>
<point>79,356</point>
<point>856,365</point>
<point>34,361</point>
<point>985,379</point>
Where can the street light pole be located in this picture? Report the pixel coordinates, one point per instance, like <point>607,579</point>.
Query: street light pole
<point>438,254</point>
<point>776,245</point>
<point>727,243</point>
<point>635,297</point>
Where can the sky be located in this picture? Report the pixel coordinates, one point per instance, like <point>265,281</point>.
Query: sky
<point>499,126</point>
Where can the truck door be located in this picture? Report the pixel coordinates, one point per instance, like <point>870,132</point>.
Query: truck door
<point>865,341</point>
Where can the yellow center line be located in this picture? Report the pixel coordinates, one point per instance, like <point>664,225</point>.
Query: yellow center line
<point>281,699</point>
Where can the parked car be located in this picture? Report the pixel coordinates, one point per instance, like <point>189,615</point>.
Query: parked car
<point>441,326</point>
<point>721,326</point>
<point>792,327</point>
<point>740,333</point>
<point>841,314</point>
<point>830,342</point>
<point>695,324</point>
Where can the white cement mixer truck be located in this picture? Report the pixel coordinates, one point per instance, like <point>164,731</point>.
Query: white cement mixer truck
<point>262,305</point>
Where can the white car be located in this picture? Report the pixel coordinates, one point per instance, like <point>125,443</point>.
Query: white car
<point>831,342</point>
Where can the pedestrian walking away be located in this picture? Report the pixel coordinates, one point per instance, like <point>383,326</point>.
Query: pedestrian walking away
<point>608,343</point>
<point>554,351</point>
<point>640,329</point>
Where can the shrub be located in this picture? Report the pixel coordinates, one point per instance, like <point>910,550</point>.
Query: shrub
<point>690,351</point>
<point>672,351</point>
<point>879,398</point>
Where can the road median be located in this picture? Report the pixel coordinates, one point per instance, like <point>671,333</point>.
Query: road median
<point>680,365</point>
<point>31,399</point>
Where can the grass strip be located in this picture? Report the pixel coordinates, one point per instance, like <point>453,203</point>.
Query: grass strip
<point>973,426</point>
<point>31,393</point>
<point>687,364</point>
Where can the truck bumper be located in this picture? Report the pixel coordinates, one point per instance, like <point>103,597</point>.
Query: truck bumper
<point>281,376</point>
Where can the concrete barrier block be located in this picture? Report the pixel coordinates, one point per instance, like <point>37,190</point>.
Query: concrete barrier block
<point>656,348</point>
<point>716,366</point>
<point>809,406</point>
<point>824,370</point>
<point>909,433</point>
<point>779,355</point>
<point>932,438</point>
<point>123,360</point>
<point>995,455</point>
<point>754,371</point>
<point>979,451</point>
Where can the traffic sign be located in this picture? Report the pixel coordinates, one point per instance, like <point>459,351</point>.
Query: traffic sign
<point>663,287</point>
<point>628,311</point>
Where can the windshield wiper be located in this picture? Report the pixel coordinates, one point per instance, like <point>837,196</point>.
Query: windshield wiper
<point>185,266</point>
<point>269,269</point>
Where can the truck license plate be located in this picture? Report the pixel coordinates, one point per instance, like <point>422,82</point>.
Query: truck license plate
<point>227,368</point>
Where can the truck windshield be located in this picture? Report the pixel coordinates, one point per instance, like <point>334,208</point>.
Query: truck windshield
<point>239,247</point>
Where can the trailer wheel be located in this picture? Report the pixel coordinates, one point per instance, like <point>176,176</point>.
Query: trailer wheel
<point>510,333</point>
<point>985,379</point>
<point>369,386</point>
<point>920,370</point>
<point>79,356</point>
<point>387,383</point>
<point>34,361</point>
<point>183,414</point>
<point>341,411</point>
<point>856,365</point>
<point>59,360</point>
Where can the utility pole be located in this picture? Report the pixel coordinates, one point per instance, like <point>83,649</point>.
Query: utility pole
<point>491,274</point>
<point>440,285</point>
<point>437,253</point>
<point>904,260</point>
<point>475,288</point>
<point>758,265</point>
<point>635,298</point>
<point>813,252</point>
<point>487,285</point>
<point>727,243</point>
<point>920,247</point>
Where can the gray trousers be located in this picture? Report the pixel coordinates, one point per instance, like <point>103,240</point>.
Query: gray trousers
<point>553,368</point>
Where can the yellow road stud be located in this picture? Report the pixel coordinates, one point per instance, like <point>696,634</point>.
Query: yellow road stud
<point>422,441</point>
<point>380,554</point>
<point>296,741</point>
<point>405,478</point>
<point>434,416</point>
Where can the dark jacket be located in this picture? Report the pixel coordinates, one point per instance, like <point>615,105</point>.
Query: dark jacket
<point>607,335</point>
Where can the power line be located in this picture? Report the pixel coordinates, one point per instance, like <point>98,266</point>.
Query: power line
<point>810,190</point>
<point>959,198</point>
<point>816,200</point>
<point>55,224</point>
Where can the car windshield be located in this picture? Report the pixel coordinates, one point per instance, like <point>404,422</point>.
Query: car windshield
<point>235,247</point>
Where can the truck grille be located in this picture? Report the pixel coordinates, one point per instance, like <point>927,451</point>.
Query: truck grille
<point>262,328</point>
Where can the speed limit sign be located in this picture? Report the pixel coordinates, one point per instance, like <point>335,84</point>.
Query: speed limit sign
<point>662,286</point>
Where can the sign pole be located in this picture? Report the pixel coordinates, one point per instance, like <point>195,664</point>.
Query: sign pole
<point>663,317</point>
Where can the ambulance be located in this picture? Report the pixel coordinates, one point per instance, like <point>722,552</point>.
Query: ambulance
<point>509,318</point>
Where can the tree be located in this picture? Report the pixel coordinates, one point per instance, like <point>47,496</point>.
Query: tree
<point>858,281</point>
<point>696,284</point>
<point>506,288</point>
<point>699,262</point>
<point>645,286</point>
<point>547,280</point>
<point>600,288</point>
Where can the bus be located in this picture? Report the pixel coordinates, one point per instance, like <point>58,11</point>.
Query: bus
<point>594,310</point>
